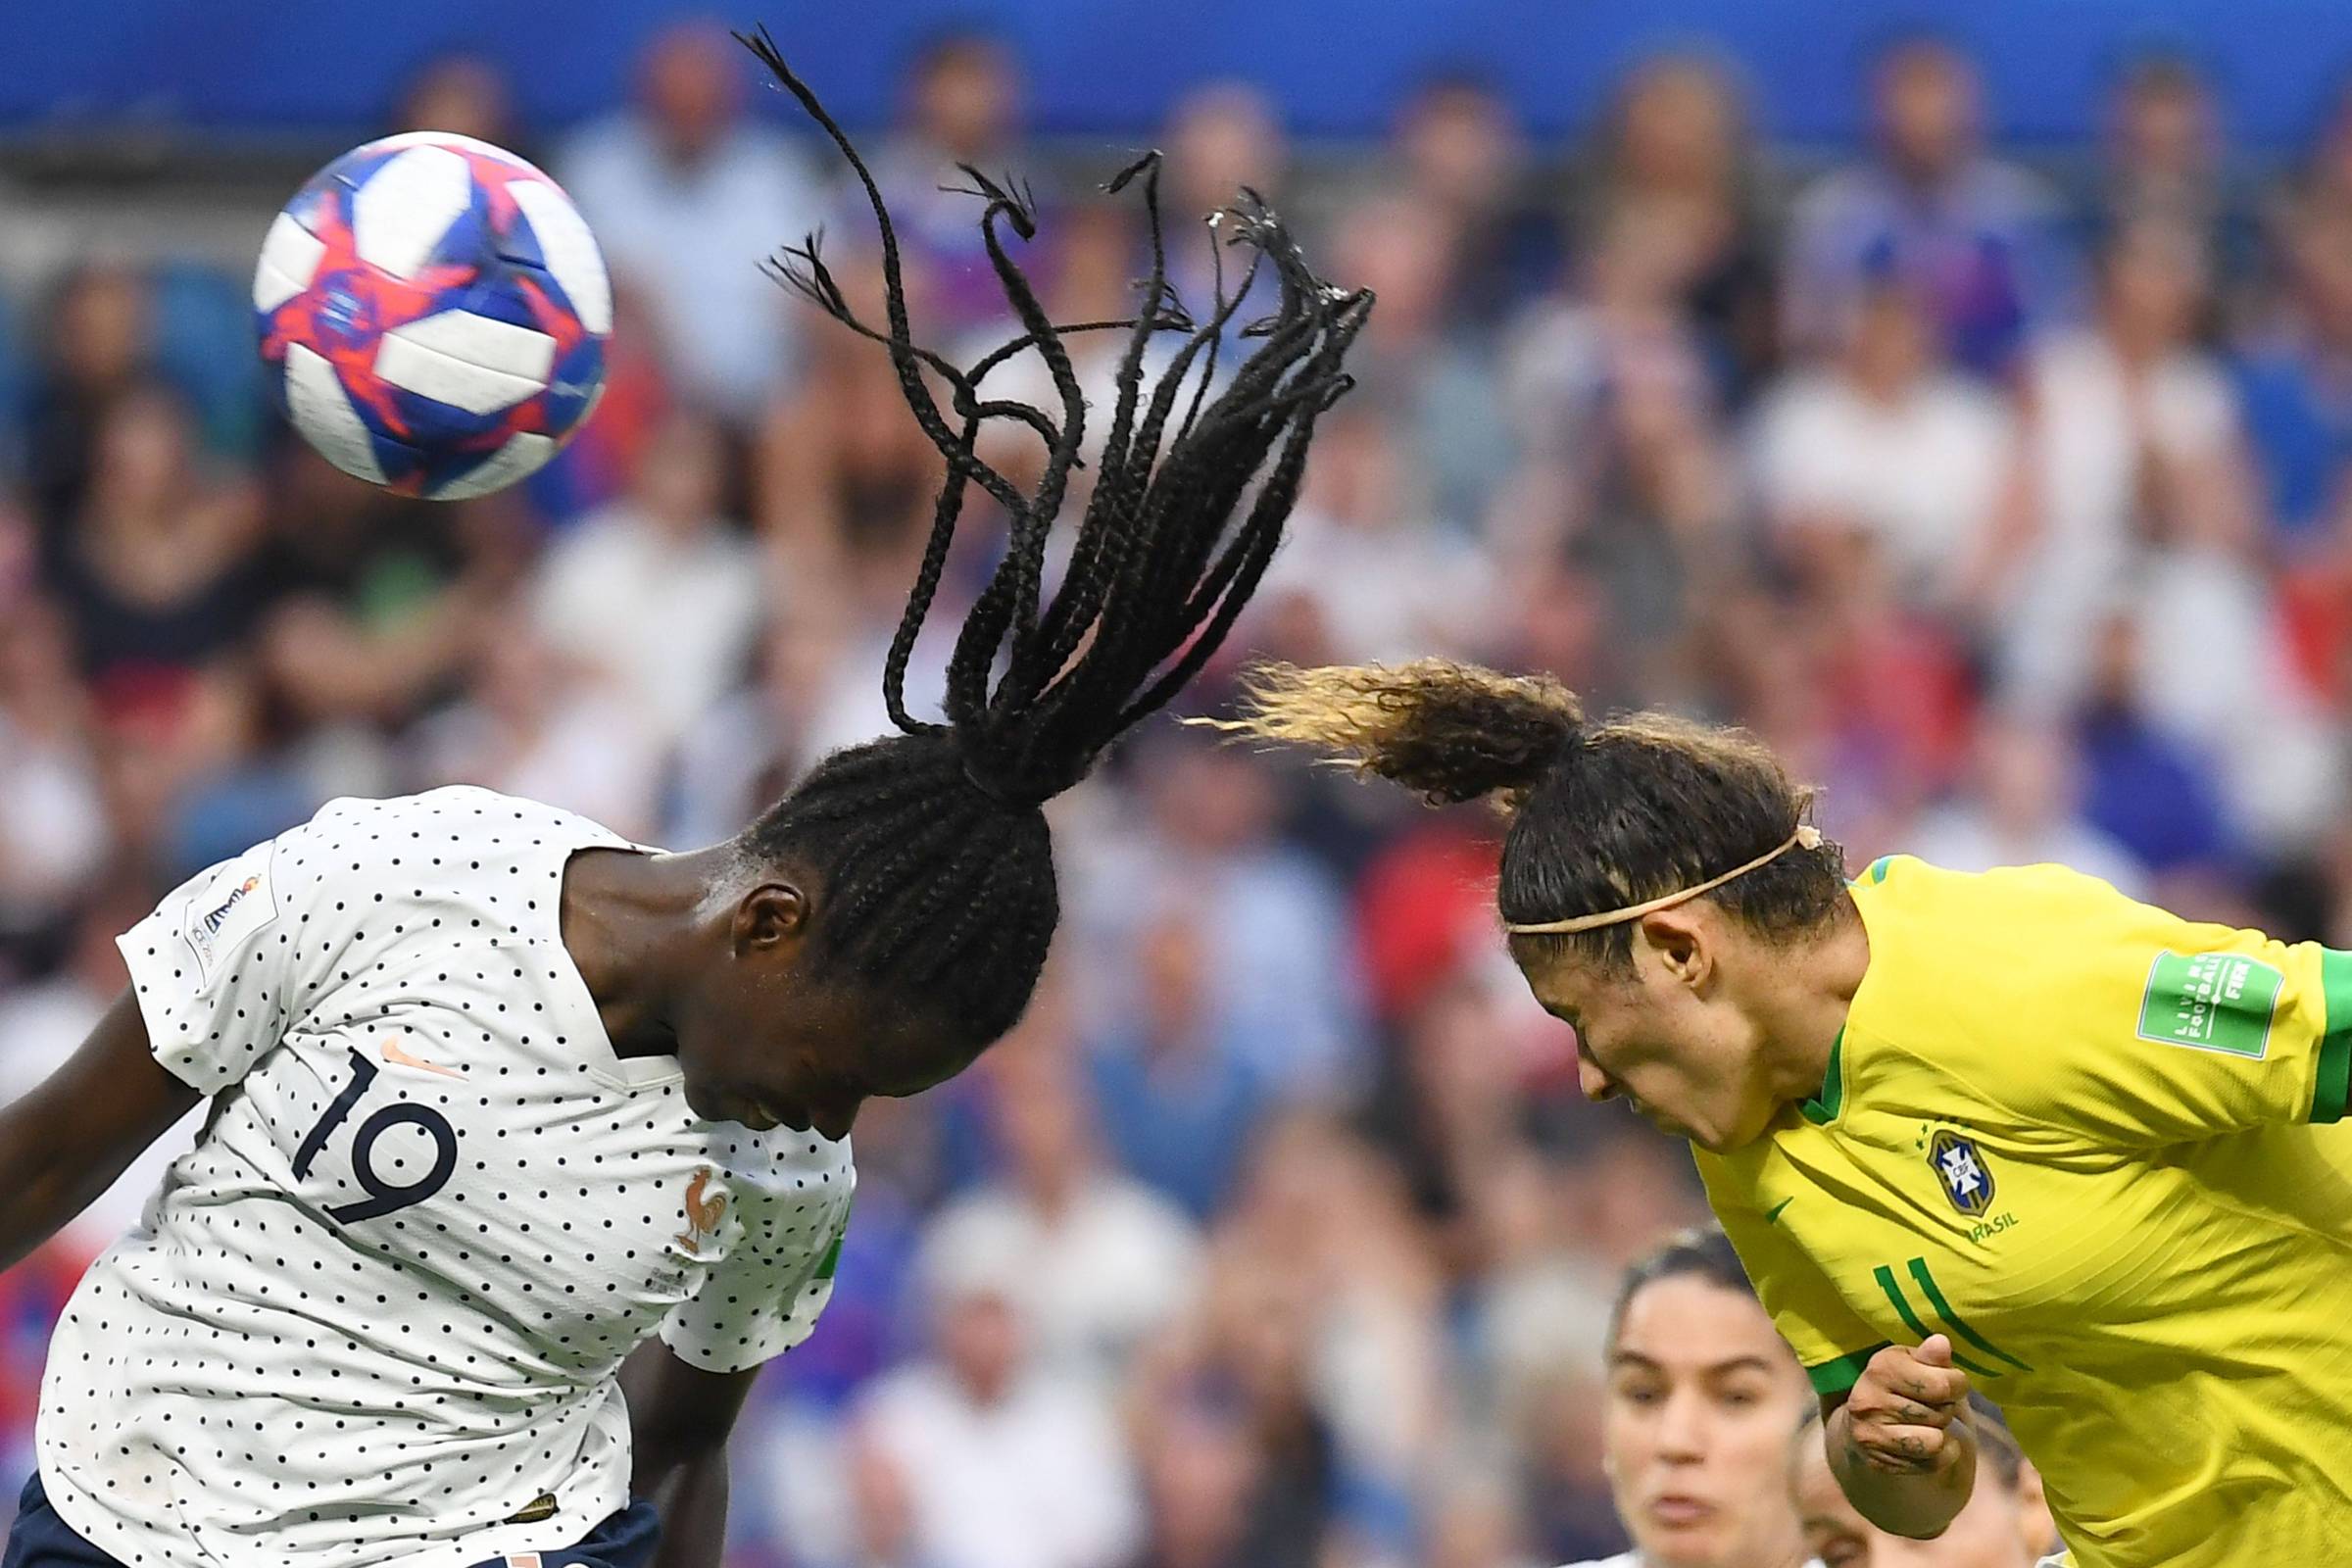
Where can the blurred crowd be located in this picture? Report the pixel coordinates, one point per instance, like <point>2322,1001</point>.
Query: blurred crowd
<point>2009,504</point>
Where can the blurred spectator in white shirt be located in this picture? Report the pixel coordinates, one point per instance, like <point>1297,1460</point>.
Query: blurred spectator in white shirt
<point>1105,1260</point>
<point>1886,442</point>
<point>687,197</point>
<point>42,1025</point>
<point>1003,1463</point>
<point>1387,580</point>
<point>2023,809</point>
<point>656,591</point>
<point>537,726</point>
<point>2135,436</point>
<point>53,830</point>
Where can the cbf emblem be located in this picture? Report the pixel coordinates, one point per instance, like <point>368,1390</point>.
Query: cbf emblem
<point>1961,1168</point>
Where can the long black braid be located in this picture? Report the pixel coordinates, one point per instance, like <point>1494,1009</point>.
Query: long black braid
<point>931,845</point>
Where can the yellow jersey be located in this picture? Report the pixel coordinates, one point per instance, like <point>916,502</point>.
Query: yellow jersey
<point>2089,1142</point>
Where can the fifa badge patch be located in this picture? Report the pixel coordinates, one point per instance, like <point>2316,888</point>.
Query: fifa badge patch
<point>2211,1002</point>
<point>1960,1166</point>
<point>239,903</point>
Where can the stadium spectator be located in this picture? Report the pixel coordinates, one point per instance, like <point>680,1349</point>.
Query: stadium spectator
<point>160,567</point>
<point>1886,444</point>
<point>1980,239</point>
<point>2138,451</point>
<point>1625,473</point>
<point>1199,1477</point>
<point>687,161</point>
<point>658,592</point>
<point>2164,163</point>
<point>2297,389</point>
<point>1105,1261</point>
<point>53,833</point>
<point>2024,808</point>
<point>465,94</point>
<point>844,479</point>
<point>533,725</point>
<point>1221,136</point>
<point>1383,576</point>
<point>961,104</point>
<point>1431,376</point>
<point>1003,1463</point>
<point>99,345</point>
<point>1180,1102</point>
<point>1675,152</point>
<point>1291,997</point>
<point>1459,159</point>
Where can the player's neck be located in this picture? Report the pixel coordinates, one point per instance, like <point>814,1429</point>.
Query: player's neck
<point>1805,1013</point>
<point>628,921</point>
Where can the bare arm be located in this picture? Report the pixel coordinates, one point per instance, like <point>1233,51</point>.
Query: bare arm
<point>1901,1443</point>
<point>679,1420</point>
<point>66,1141</point>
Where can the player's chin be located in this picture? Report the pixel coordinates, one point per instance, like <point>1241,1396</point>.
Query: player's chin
<point>717,1104</point>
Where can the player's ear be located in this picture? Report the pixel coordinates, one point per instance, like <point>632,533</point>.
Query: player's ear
<point>1675,937</point>
<point>771,916</point>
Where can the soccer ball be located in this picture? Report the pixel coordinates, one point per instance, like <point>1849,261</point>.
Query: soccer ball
<point>433,312</point>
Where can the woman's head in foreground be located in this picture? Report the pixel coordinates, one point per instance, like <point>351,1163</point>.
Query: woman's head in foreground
<point>1703,1395</point>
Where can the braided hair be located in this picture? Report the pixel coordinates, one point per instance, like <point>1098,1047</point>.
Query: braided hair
<point>931,846</point>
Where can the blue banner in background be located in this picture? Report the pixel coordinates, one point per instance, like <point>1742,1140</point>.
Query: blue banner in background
<point>1112,67</point>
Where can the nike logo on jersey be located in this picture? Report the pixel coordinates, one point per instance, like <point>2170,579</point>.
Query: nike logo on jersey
<point>705,1210</point>
<point>1772,1215</point>
<point>390,1047</point>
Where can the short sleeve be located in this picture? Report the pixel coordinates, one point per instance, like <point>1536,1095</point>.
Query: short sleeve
<point>766,1296</point>
<point>211,970</point>
<point>2177,1031</point>
<point>1831,1340</point>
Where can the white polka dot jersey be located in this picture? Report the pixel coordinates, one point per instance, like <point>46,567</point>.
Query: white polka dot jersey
<point>376,1315</point>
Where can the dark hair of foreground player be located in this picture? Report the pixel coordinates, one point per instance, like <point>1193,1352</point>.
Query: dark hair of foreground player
<point>1604,815</point>
<point>889,918</point>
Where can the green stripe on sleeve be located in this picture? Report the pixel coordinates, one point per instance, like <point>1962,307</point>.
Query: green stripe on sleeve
<point>1920,1331</point>
<point>1835,1377</point>
<point>1878,868</point>
<point>2334,1085</point>
<point>1943,1310</point>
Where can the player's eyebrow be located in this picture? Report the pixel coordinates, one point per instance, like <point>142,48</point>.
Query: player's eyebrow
<point>1635,1360</point>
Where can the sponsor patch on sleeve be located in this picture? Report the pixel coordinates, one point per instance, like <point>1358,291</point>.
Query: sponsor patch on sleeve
<point>239,903</point>
<point>2211,1002</point>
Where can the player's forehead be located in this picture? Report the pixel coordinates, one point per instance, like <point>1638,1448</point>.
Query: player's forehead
<point>1689,1325</point>
<point>1571,986</point>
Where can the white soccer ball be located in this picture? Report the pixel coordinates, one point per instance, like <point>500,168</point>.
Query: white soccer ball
<point>434,313</point>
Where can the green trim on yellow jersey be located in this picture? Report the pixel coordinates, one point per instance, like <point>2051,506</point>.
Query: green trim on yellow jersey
<point>1959,1324</point>
<point>1823,1108</point>
<point>1835,1377</point>
<point>1877,872</point>
<point>2334,1085</point>
<point>1920,1331</point>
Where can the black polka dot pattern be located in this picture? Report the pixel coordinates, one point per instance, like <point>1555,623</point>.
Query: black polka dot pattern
<point>379,1308</point>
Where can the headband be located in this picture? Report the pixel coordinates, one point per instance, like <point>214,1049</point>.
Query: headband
<point>1806,836</point>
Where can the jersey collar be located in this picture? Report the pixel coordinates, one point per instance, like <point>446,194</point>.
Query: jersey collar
<point>1823,1108</point>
